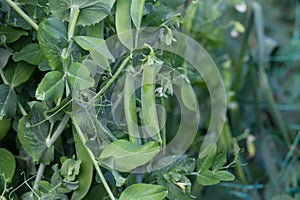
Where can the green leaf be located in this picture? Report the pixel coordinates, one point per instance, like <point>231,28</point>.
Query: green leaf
<point>98,50</point>
<point>144,192</point>
<point>31,53</point>
<point>207,178</point>
<point>91,11</point>
<point>18,73</point>
<point>7,164</point>
<point>93,44</point>
<point>117,154</point>
<point>5,54</point>
<point>223,175</point>
<point>220,160</point>
<point>4,127</point>
<point>137,9</point>
<point>8,101</point>
<point>206,158</point>
<point>70,169</point>
<point>51,87</point>
<point>33,132</point>
<point>11,34</point>
<point>52,37</point>
<point>79,77</point>
<point>123,23</point>
<point>85,176</point>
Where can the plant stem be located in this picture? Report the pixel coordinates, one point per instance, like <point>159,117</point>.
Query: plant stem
<point>112,78</point>
<point>39,175</point>
<point>22,14</point>
<point>49,143</point>
<point>58,131</point>
<point>73,20</point>
<point>22,110</point>
<point>3,77</point>
<point>95,163</point>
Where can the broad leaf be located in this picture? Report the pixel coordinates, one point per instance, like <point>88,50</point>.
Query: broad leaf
<point>5,54</point>
<point>11,34</point>
<point>207,178</point>
<point>144,192</point>
<point>93,44</point>
<point>33,131</point>
<point>7,164</point>
<point>19,73</point>
<point>52,37</point>
<point>85,176</point>
<point>91,11</point>
<point>51,87</point>
<point>98,50</point>
<point>79,77</point>
<point>8,101</point>
<point>223,175</point>
<point>220,160</point>
<point>31,53</point>
<point>4,127</point>
<point>206,158</point>
<point>117,154</point>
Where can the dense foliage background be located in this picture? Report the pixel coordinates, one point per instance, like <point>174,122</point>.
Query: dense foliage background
<point>48,151</point>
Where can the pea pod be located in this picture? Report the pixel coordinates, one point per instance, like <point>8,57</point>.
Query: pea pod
<point>149,113</point>
<point>189,16</point>
<point>188,95</point>
<point>86,169</point>
<point>137,8</point>
<point>130,109</point>
<point>123,23</point>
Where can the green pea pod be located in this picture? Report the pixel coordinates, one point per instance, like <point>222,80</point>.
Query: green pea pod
<point>123,23</point>
<point>188,96</point>
<point>189,16</point>
<point>137,8</point>
<point>130,109</point>
<point>149,112</point>
<point>86,169</point>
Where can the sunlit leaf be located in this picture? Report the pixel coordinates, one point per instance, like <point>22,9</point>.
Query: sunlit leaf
<point>51,87</point>
<point>117,154</point>
<point>144,192</point>
<point>91,11</point>
<point>79,77</point>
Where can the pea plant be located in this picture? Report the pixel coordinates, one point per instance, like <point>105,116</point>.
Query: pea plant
<point>88,108</point>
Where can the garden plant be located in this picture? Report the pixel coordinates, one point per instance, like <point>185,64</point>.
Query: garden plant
<point>149,99</point>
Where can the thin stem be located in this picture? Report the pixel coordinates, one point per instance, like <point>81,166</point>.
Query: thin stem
<point>73,20</point>
<point>22,14</point>
<point>3,77</point>
<point>49,143</point>
<point>21,108</point>
<point>58,131</point>
<point>39,175</point>
<point>122,66</point>
<point>95,163</point>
